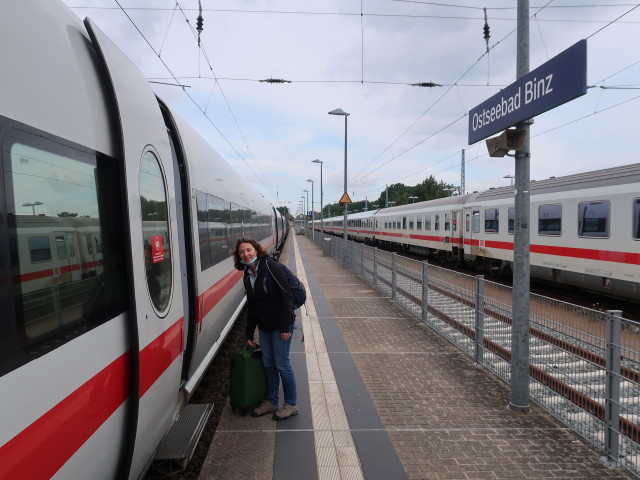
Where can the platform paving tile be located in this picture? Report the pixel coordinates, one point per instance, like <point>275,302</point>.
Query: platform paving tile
<point>447,417</point>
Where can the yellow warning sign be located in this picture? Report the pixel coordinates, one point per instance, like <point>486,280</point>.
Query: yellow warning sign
<point>345,198</point>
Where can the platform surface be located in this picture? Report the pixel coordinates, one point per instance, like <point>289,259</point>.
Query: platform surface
<point>383,397</point>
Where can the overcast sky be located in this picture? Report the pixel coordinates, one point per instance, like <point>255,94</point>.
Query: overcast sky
<point>361,56</point>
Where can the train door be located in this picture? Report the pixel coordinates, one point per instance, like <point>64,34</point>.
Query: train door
<point>72,255</point>
<point>467,235</point>
<point>67,268</point>
<point>155,313</point>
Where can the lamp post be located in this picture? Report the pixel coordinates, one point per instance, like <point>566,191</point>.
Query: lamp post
<point>313,229</point>
<point>339,111</point>
<point>304,210</point>
<point>33,205</point>
<point>321,199</point>
<point>510,177</point>
<point>413,198</point>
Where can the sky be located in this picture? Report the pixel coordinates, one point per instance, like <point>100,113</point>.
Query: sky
<point>362,56</point>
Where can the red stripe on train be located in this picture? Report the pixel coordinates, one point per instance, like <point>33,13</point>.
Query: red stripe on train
<point>583,253</point>
<point>42,448</point>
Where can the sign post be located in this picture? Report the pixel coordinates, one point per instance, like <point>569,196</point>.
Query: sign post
<point>557,81</point>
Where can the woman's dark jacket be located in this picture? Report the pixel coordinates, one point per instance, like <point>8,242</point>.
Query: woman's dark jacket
<point>270,307</point>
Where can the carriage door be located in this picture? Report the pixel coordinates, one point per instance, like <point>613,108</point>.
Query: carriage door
<point>465,231</point>
<point>72,255</point>
<point>155,313</point>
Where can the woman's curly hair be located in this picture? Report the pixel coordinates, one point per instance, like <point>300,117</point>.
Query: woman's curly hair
<point>260,252</point>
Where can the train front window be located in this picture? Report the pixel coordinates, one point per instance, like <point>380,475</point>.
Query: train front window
<point>56,193</point>
<point>155,231</point>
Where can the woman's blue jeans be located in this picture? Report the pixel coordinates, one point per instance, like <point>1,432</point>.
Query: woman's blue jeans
<point>275,357</point>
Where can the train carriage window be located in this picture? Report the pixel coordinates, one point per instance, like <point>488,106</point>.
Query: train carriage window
<point>427,222</point>
<point>55,192</point>
<point>411,222</point>
<point>203,229</point>
<point>636,219</point>
<point>593,219</point>
<point>491,220</point>
<point>467,222</point>
<point>511,214</point>
<point>419,223</point>
<point>550,219</point>
<point>436,223</point>
<point>155,231</point>
<point>447,222</point>
<point>39,249</point>
<point>475,221</point>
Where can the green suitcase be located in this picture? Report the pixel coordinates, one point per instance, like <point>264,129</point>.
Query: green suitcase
<point>246,384</point>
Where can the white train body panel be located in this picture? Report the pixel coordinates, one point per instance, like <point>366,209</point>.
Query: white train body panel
<point>585,229</point>
<point>111,316</point>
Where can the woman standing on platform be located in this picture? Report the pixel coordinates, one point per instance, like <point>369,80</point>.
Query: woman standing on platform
<point>270,308</point>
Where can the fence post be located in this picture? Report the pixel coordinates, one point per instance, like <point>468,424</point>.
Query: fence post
<point>612,389</point>
<point>479,356</point>
<point>375,266</point>
<point>394,268</point>
<point>425,291</point>
<point>351,254</point>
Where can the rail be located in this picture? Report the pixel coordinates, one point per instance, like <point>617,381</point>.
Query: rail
<point>584,364</point>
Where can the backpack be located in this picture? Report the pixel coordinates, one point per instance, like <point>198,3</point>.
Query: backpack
<point>297,288</point>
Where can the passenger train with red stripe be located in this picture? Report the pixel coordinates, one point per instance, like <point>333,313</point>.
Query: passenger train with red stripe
<point>584,230</point>
<point>117,222</point>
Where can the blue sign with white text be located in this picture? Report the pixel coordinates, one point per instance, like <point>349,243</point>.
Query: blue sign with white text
<point>553,83</point>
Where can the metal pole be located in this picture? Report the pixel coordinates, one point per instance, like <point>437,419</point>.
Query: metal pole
<point>313,225</point>
<point>521,271</point>
<point>612,389</point>
<point>479,319</point>
<point>346,205</point>
<point>321,202</point>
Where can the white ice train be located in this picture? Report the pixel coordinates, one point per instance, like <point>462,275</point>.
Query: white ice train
<point>116,226</point>
<point>585,229</point>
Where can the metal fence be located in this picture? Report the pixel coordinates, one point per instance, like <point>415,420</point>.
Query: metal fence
<point>584,364</point>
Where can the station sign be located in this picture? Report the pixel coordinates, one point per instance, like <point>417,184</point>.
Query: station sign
<point>553,83</point>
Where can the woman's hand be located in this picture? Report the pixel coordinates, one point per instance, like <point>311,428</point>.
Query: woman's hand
<point>285,335</point>
<point>251,343</point>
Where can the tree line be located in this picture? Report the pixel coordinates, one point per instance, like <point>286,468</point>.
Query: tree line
<point>393,195</point>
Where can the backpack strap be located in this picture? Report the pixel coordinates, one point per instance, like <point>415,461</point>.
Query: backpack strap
<point>270,273</point>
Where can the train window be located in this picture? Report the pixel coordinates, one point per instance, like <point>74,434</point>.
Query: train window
<point>447,222</point>
<point>61,248</point>
<point>467,222</point>
<point>411,222</point>
<point>427,222</point>
<point>491,220</point>
<point>550,219</point>
<point>455,221</point>
<point>39,249</point>
<point>593,219</point>
<point>475,221</point>
<point>419,223</point>
<point>76,191</point>
<point>404,223</point>
<point>512,219</point>
<point>155,231</point>
<point>636,219</point>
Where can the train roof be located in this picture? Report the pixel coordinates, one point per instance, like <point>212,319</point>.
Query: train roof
<point>597,178</point>
<point>412,207</point>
